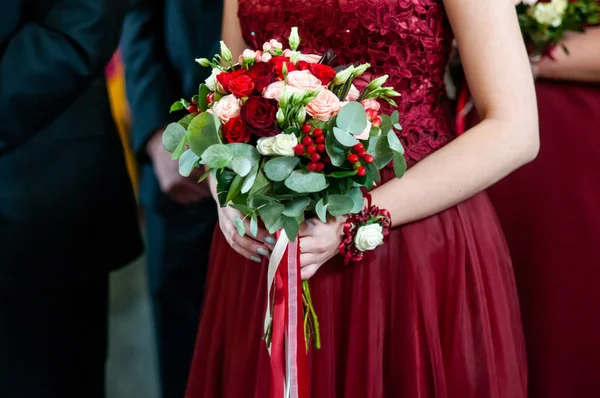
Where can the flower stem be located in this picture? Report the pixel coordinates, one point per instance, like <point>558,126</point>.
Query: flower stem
<point>311,309</point>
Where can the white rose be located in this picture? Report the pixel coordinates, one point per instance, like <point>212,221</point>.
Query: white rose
<point>526,2</point>
<point>368,237</point>
<point>284,144</point>
<point>264,146</point>
<point>550,13</point>
<point>211,82</point>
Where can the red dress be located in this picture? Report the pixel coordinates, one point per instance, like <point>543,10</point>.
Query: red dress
<point>550,211</point>
<point>435,315</point>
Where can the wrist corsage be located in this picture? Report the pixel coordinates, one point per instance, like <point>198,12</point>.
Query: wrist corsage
<point>364,232</point>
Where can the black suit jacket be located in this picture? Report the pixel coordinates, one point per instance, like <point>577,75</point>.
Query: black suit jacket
<point>67,211</point>
<point>160,40</point>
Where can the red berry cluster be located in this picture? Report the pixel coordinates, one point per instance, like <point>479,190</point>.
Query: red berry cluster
<point>193,108</point>
<point>359,152</point>
<point>312,147</point>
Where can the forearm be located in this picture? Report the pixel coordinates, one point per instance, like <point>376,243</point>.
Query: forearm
<point>582,63</point>
<point>466,166</point>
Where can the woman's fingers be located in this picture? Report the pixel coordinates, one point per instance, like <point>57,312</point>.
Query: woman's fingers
<point>251,246</point>
<point>308,271</point>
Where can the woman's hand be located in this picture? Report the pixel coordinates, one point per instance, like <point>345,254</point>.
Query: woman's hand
<point>318,243</point>
<point>250,247</point>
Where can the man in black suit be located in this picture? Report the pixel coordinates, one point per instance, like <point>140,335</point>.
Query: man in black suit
<point>160,40</point>
<point>67,210</point>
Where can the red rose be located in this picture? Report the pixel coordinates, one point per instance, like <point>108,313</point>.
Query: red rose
<point>258,113</point>
<point>323,72</point>
<point>263,74</point>
<point>241,86</point>
<point>224,78</point>
<point>235,131</point>
<point>278,63</point>
<point>303,65</point>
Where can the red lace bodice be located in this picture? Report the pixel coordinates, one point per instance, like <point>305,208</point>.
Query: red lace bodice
<point>409,40</point>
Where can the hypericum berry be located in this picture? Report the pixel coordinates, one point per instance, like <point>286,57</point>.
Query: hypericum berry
<point>210,98</point>
<point>311,149</point>
<point>315,157</point>
<point>318,132</point>
<point>312,167</point>
<point>306,129</point>
<point>361,152</point>
<point>320,166</point>
<point>307,140</point>
<point>321,148</point>
<point>357,165</point>
<point>371,114</point>
<point>326,159</point>
<point>194,102</point>
<point>377,122</point>
<point>368,158</point>
<point>358,147</point>
<point>361,171</point>
<point>299,149</point>
<point>353,158</point>
<point>320,140</point>
<point>192,109</point>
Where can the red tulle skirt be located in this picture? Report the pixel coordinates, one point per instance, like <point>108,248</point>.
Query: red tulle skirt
<point>434,315</point>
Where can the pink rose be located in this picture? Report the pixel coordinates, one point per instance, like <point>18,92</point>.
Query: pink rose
<point>365,134</point>
<point>226,108</point>
<point>304,80</point>
<point>371,104</point>
<point>274,90</point>
<point>324,106</point>
<point>353,94</point>
<point>310,58</point>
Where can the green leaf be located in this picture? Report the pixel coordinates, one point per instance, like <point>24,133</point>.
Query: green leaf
<point>242,166</point>
<point>344,137</point>
<point>177,106</point>
<point>254,225</point>
<point>339,205</point>
<point>202,133</point>
<point>395,120</point>
<point>373,172</point>
<point>386,124</point>
<point>248,211</point>
<point>380,150</point>
<point>303,181</point>
<point>172,136</point>
<point>352,118</point>
<point>234,189</point>
<point>296,207</point>
<point>203,91</point>
<point>224,180</point>
<point>259,183</point>
<point>394,143</point>
<point>258,201</point>
<point>336,153</point>
<point>271,213</point>
<point>357,197</point>
<point>180,149</point>
<point>185,121</point>
<point>205,175</point>
<point>342,174</point>
<point>187,162</point>
<point>217,156</point>
<point>321,210</point>
<point>399,165</point>
<point>239,225</point>
<point>248,152</point>
<point>278,169</point>
<point>291,227</point>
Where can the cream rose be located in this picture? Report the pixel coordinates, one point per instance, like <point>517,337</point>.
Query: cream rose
<point>211,81</point>
<point>303,80</point>
<point>368,237</point>
<point>550,13</point>
<point>227,108</point>
<point>264,146</point>
<point>324,106</point>
<point>353,94</point>
<point>281,144</point>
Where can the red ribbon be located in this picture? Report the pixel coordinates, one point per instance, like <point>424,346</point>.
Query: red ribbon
<point>461,116</point>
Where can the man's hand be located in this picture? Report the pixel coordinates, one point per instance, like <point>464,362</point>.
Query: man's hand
<point>184,190</point>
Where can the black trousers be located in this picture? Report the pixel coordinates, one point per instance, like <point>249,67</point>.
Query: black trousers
<point>178,245</point>
<point>53,341</point>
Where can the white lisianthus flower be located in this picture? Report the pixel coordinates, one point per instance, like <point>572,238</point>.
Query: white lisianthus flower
<point>550,14</point>
<point>264,146</point>
<point>211,81</point>
<point>527,2</point>
<point>368,237</point>
<point>283,144</point>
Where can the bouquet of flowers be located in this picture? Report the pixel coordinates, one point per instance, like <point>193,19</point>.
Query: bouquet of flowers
<point>288,137</point>
<point>544,23</point>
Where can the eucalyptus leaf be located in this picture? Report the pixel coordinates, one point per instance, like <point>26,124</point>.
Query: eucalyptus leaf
<point>386,124</point>
<point>380,150</point>
<point>394,143</point>
<point>336,153</point>
<point>205,175</point>
<point>303,181</point>
<point>248,211</point>
<point>239,225</point>
<point>259,183</point>
<point>254,225</point>
<point>374,172</point>
<point>234,188</point>
<point>339,205</point>
<point>352,118</point>
<point>180,149</point>
<point>296,207</point>
<point>344,137</point>
<point>321,210</point>
<point>241,166</point>
<point>278,169</point>
<point>203,91</point>
<point>202,133</point>
<point>187,162</point>
<point>186,120</point>
<point>399,165</point>
<point>249,181</point>
<point>291,227</point>
<point>258,201</point>
<point>217,156</point>
<point>177,106</point>
<point>357,197</point>
<point>172,136</point>
<point>395,120</point>
<point>248,152</point>
<point>224,180</point>
<point>271,213</point>
<point>342,174</point>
